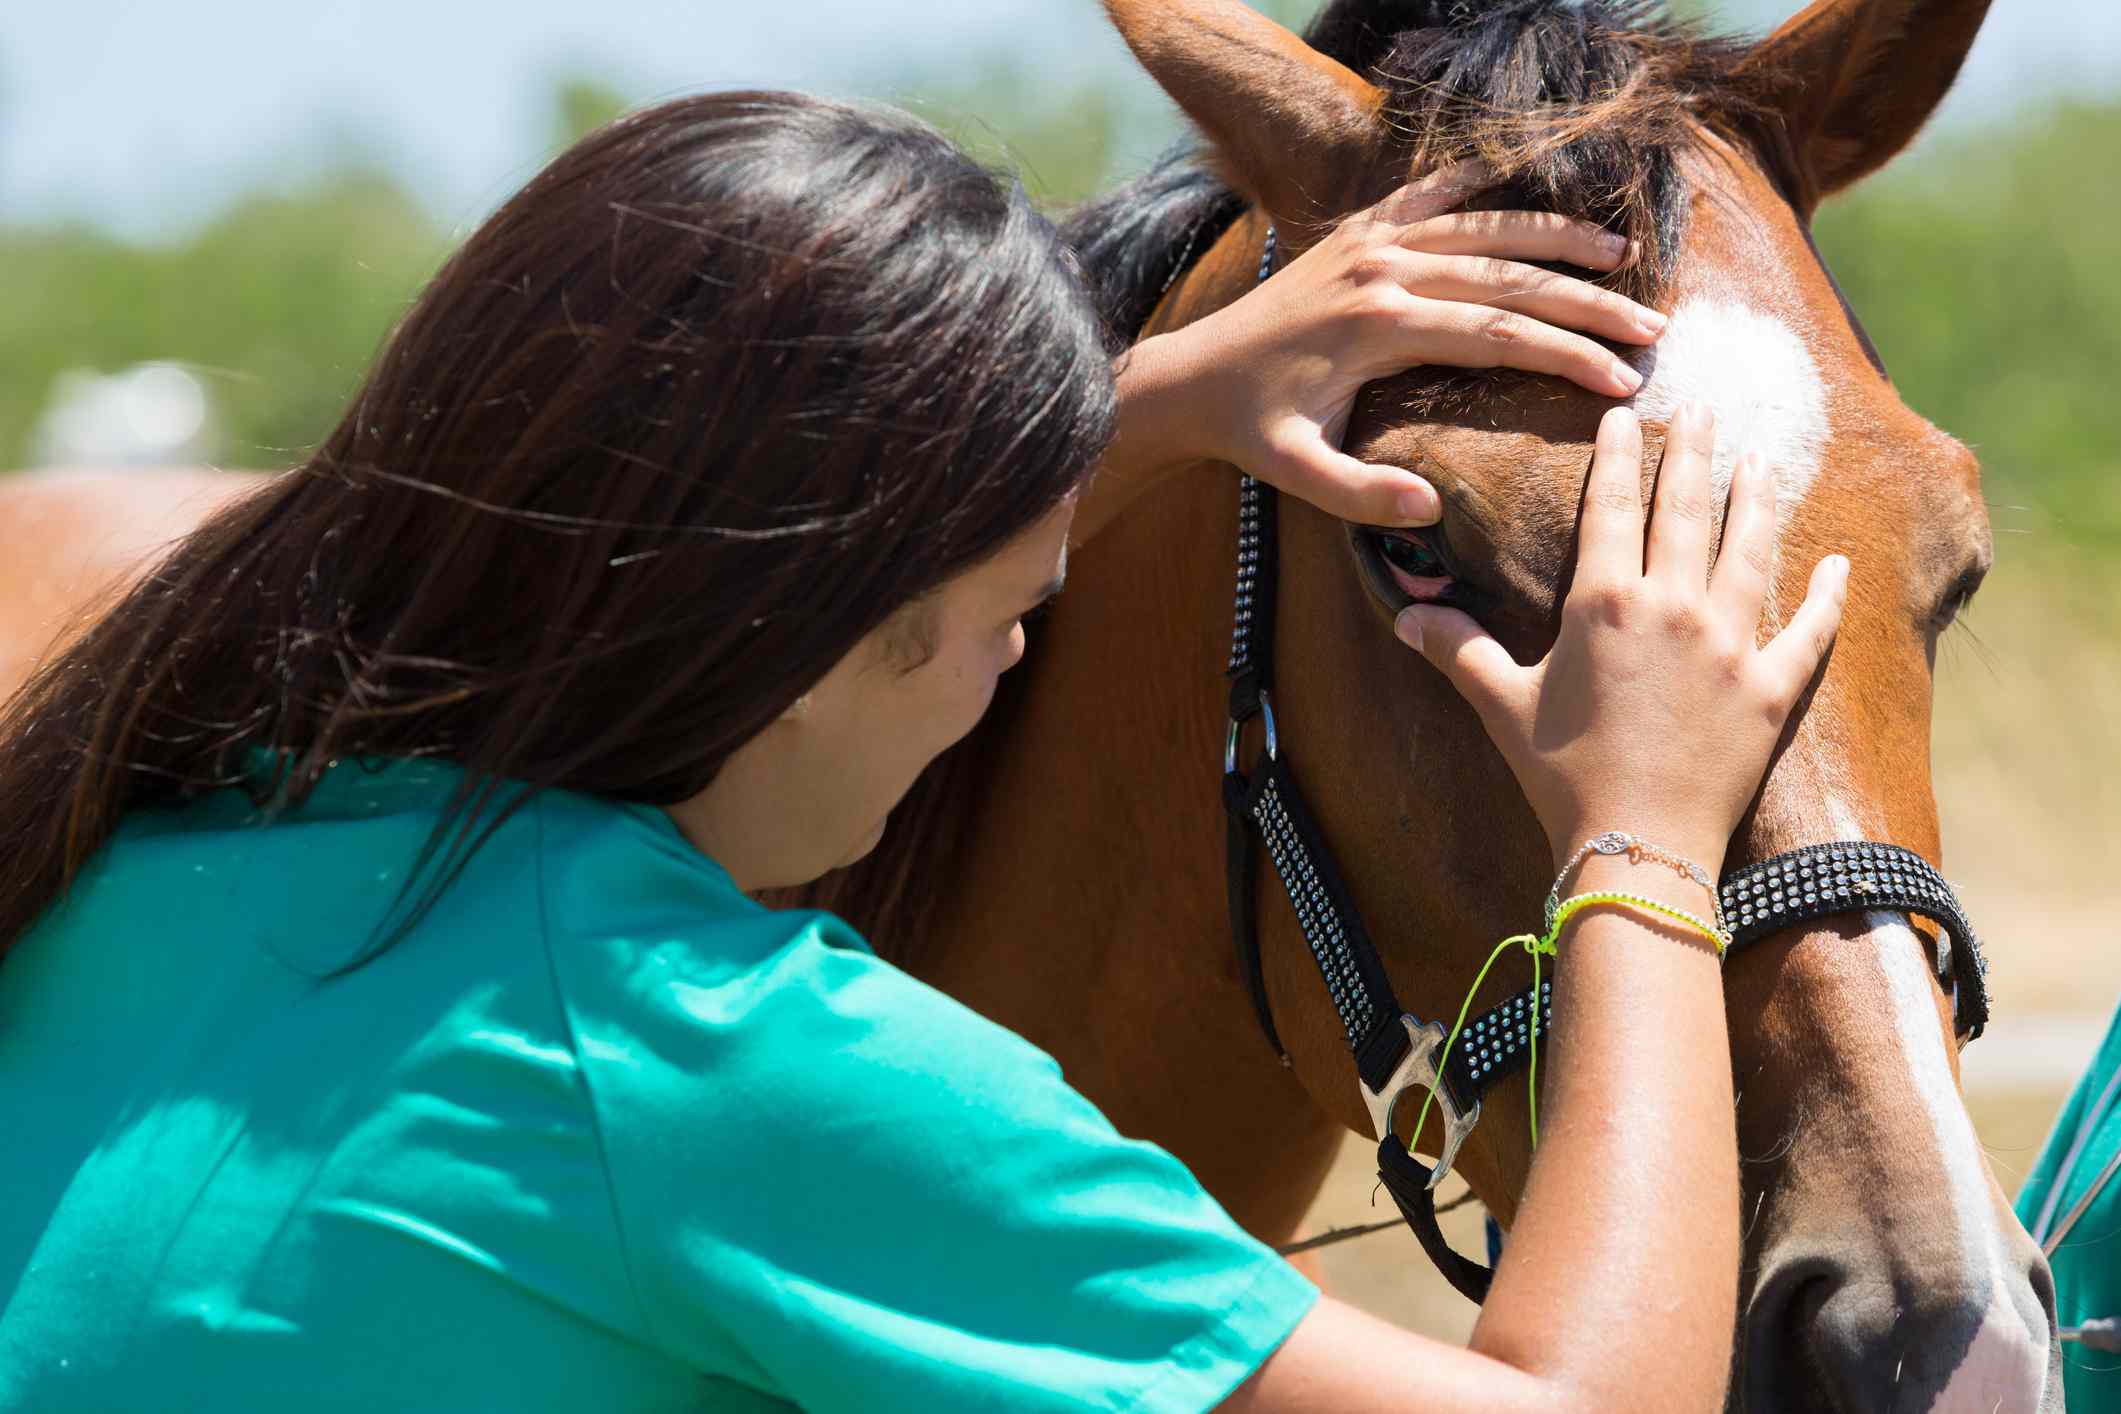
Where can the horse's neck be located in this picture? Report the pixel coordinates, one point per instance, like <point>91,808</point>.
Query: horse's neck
<point>1089,912</point>
<point>75,538</point>
<point>1100,820</point>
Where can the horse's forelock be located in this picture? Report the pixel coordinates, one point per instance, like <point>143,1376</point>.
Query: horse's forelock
<point>1582,107</point>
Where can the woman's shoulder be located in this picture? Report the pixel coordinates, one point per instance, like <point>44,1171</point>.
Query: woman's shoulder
<point>831,1177</point>
<point>705,979</point>
<point>621,889</point>
<point>698,1010</point>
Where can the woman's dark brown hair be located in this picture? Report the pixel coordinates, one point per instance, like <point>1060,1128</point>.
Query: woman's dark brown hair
<point>728,384</point>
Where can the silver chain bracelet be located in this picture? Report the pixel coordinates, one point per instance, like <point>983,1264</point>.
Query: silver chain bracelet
<point>1621,842</point>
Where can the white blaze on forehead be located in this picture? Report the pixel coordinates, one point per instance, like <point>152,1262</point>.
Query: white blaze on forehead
<point>1755,373</point>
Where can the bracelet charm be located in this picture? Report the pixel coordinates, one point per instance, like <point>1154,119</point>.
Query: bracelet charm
<point>1621,842</point>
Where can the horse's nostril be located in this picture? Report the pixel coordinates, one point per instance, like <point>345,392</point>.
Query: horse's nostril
<point>2042,1281</point>
<point>1820,1337</point>
<point>1777,1372</point>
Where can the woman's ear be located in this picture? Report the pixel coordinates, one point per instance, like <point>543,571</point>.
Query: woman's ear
<point>1855,80</point>
<point>1294,130</point>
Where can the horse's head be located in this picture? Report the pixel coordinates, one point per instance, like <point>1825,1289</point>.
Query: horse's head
<point>1884,1267</point>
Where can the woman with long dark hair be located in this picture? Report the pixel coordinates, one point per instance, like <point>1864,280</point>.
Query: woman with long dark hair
<point>384,1022</point>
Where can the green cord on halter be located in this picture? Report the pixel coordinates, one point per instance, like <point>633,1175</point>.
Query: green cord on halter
<point>1537,946</point>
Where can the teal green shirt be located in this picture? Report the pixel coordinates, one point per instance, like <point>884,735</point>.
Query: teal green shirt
<point>598,1133</point>
<point>2087,1265</point>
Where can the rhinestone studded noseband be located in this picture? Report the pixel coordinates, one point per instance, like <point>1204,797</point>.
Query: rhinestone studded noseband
<point>1393,1050</point>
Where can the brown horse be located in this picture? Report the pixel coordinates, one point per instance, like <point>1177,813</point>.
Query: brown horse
<point>74,538</point>
<point>1082,898</point>
<point>1063,871</point>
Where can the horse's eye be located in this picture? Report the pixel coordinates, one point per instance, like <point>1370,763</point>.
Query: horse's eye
<point>1412,557</point>
<point>1956,599</point>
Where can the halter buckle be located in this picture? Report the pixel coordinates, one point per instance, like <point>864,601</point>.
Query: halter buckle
<point>1418,1070</point>
<point>1237,725</point>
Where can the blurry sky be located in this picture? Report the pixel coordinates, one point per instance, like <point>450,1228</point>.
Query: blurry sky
<point>144,117</point>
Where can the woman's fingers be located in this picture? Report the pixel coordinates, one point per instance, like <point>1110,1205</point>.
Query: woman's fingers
<point>1609,539</point>
<point>1442,190</point>
<point>1681,516</point>
<point>1479,667</point>
<point>1477,336</point>
<point>1309,468</point>
<point>1542,294</point>
<point>1794,655</point>
<point>1519,235</point>
<point>1739,582</point>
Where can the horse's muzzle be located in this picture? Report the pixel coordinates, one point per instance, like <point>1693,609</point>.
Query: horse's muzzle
<point>1821,1334</point>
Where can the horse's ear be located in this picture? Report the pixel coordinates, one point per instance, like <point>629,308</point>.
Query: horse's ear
<point>1854,80</point>
<point>1295,131</point>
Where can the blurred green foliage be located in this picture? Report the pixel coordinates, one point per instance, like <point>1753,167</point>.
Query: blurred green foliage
<point>1981,266</point>
<point>582,105</point>
<point>1984,270</point>
<point>1062,143</point>
<point>277,305</point>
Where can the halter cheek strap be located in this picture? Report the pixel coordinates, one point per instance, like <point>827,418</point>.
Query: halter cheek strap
<point>1395,1051</point>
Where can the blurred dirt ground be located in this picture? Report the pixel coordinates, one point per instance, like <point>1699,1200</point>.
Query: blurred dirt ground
<point>2026,745</point>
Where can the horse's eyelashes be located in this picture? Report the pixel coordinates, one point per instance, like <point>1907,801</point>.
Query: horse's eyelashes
<point>1956,599</point>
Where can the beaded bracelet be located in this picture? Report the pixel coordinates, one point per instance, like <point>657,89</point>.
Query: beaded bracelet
<point>1558,918</point>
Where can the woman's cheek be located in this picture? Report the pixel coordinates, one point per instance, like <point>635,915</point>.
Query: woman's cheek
<point>978,695</point>
<point>971,685</point>
<point>977,704</point>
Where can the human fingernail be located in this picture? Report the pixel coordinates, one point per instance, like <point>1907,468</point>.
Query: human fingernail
<point>1418,503</point>
<point>1613,244</point>
<point>1408,627</point>
<point>1649,321</point>
<point>1626,376</point>
<point>1839,565</point>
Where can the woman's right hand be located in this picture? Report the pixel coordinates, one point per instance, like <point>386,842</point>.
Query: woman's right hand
<point>1656,710</point>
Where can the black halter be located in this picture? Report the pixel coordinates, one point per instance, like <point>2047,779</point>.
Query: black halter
<point>1393,1050</point>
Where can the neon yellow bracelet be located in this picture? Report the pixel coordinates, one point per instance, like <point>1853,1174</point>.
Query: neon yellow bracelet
<point>1536,946</point>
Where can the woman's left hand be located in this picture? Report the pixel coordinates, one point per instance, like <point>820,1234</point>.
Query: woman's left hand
<point>1268,381</point>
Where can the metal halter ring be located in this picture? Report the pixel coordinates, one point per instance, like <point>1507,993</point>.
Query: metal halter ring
<point>1418,1071</point>
<point>1237,724</point>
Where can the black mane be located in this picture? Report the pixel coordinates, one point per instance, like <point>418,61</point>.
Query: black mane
<point>1135,240</point>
